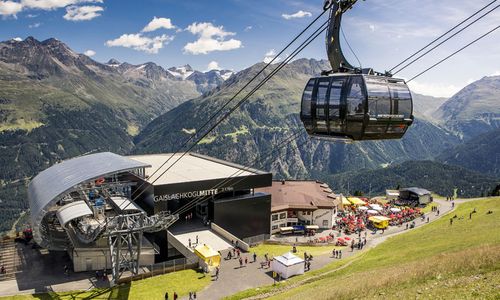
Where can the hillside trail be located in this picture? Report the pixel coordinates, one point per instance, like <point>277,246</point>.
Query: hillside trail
<point>233,279</point>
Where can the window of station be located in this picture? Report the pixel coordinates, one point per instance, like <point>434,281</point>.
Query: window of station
<point>274,227</point>
<point>306,98</point>
<point>283,216</point>
<point>274,217</point>
<point>355,97</point>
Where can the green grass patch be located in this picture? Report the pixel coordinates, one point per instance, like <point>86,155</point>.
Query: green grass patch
<point>405,265</point>
<point>181,282</point>
<point>207,140</point>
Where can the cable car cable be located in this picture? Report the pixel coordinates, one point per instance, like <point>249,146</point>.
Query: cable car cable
<point>350,48</point>
<point>425,53</point>
<point>438,38</point>
<point>229,101</point>
<point>449,56</point>
<point>305,44</point>
<point>259,161</point>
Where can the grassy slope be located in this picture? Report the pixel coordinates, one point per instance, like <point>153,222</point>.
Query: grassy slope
<point>181,282</point>
<point>434,261</point>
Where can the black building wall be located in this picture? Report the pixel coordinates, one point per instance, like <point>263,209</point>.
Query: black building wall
<point>244,216</point>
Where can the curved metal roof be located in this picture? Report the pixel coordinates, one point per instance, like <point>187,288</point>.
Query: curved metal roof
<point>53,183</point>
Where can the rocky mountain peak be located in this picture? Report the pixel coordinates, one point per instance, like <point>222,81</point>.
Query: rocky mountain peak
<point>113,62</point>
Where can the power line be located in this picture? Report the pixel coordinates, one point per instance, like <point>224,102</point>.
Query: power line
<point>444,59</point>
<point>425,53</point>
<point>438,38</point>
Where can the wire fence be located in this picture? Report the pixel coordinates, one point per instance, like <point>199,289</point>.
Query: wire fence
<point>163,268</point>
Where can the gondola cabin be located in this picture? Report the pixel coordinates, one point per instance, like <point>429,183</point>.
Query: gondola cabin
<point>356,107</point>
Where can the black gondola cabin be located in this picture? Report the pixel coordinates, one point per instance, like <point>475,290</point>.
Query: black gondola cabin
<point>356,107</point>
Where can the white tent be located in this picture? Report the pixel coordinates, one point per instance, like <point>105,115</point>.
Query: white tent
<point>395,209</point>
<point>375,207</point>
<point>288,265</point>
<point>363,208</point>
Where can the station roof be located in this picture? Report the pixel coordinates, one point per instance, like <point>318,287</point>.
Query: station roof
<point>299,195</point>
<point>418,191</point>
<point>50,185</point>
<point>190,168</point>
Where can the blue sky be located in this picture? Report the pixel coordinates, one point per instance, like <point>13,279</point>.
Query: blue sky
<point>238,33</point>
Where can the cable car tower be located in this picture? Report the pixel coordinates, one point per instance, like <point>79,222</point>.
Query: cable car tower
<point>352,104</point>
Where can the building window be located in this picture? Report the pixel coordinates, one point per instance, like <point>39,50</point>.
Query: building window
<point>308,213</point>
<point>274,217</point>
<point>325,223</point>
<point>274,227</point>
<point>283,216</point>
<point>283,225</point>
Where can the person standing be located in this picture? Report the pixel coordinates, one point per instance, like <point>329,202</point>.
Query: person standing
<point>196,239</point>
<point>246,261</point>
<point>241,262</point>
<point>451,221</point>
<point>340,253</point>
<point>189,242</point>
<point>216,273</point>
<point>254,257</point>
<point>175,296</point>
<point>166,295</point>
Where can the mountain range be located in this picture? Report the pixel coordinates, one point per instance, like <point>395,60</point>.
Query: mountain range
<point>56,104</point>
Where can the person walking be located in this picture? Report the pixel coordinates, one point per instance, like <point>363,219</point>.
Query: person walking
<point>196,239</point>
<point>428,219</point>
<point>194,295</point>
<point>166,295</point>
<point>216,273</point>
<point>340,253</point>
<point>190,295</point>
<point>254,257</point>
<point>451,221</point>
<point>189,242</point>
<point>246,260</point>
<point>175,296</point>
<point>241,262</point>
<point>470,216</point>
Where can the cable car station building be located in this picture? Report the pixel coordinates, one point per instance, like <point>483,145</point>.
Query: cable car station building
<point>72,204</point>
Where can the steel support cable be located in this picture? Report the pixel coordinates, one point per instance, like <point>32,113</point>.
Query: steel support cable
<point>454,53</point>
<point>427,52</point>
<point>289,58</point>
<point>221,108</point>
<point>242,101</point>
<point>350,48</point>
<point>438,38</point>
<point>261,161</point>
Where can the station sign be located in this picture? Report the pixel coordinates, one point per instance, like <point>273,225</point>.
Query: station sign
<point>191,194</point>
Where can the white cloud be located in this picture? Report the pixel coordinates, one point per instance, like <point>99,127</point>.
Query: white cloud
<point>54,4</point>
<point>211,38</point>
<point>270,55</point>
<point>434,89</point>
<point>35,25</point>
<point>158,23</point>
<point>8,8</point>
<point>17,39</point>
<point>372,27</point>
<point>82,13</point>
<point>89,53</point>
<point>213,65</point>
<point>141,43</point>
<point>299,14</point>
<point>248,28</point>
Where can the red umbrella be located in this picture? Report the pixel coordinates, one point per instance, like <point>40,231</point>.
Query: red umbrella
<point>347,238</point>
